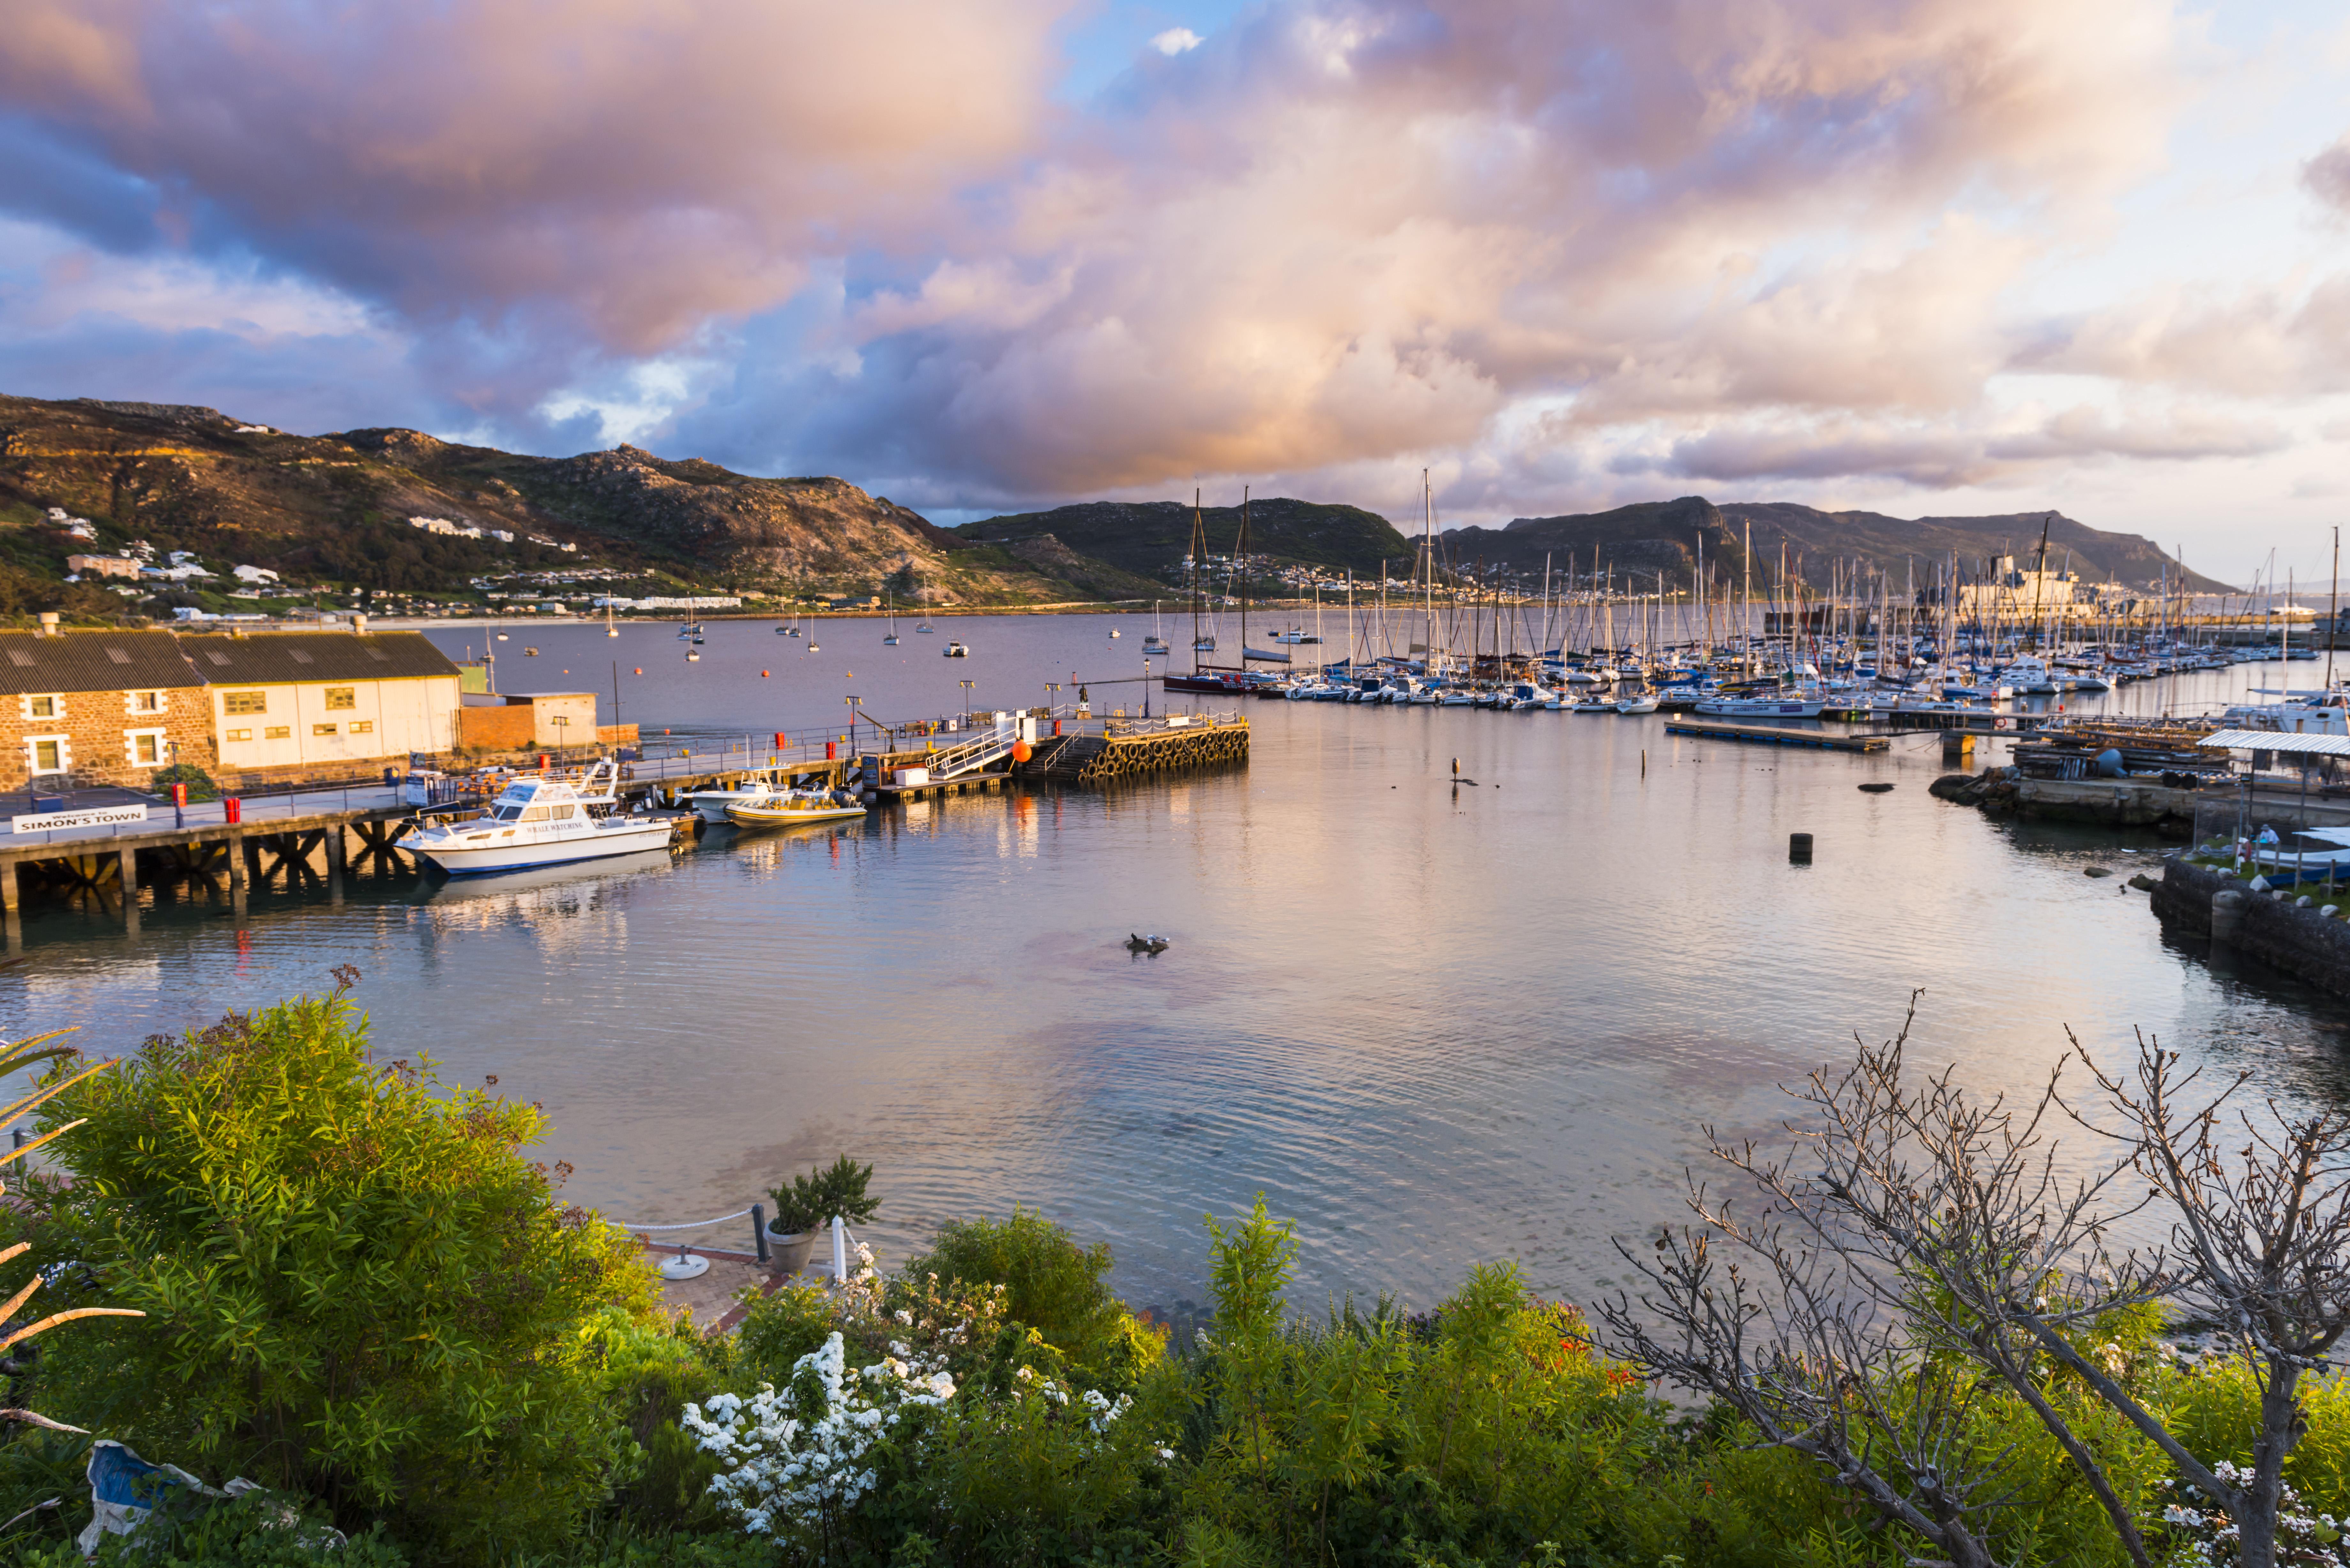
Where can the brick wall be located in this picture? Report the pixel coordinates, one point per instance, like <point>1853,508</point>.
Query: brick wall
<point>96,735</point>
<point>508,727</point>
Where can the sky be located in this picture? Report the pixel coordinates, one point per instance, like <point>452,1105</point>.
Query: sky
<point>1929,257</point>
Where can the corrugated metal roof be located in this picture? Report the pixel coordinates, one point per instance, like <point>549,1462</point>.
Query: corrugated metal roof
<point>2279,741</point>
<point>91,662</point>
<point>275,658</point>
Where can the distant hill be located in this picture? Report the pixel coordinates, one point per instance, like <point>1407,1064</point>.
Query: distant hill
<point>1147,538</point>
<point>334,509</point>
<point>1665,535</point>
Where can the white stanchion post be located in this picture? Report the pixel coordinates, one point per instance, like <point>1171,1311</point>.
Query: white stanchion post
<point>839,1251</point>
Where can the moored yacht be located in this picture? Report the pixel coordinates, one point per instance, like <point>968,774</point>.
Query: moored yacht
<point>539,821</point>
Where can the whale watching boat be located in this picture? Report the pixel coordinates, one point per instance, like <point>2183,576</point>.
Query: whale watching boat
<point>786,808</point>
<point>539,822</point>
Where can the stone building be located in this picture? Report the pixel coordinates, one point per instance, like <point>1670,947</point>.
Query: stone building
<point>97,707</point>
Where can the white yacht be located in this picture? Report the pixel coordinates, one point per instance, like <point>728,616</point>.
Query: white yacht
<point>539,822</point>
<point>710,805</point>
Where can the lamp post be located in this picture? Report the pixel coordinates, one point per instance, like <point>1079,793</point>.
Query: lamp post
<point>562,723</point>
<point>1052,692</point>
<point>851,702</point>
<point>1145,686</point>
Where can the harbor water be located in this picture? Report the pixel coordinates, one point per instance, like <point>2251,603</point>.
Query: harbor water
<point>1434,1024</point>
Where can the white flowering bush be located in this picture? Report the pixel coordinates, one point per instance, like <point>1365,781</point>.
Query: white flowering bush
<point>2203,1536</point>
<point>802,1457</point>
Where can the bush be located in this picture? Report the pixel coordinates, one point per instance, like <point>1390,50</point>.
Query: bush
<point>357,1287</point>
<point>806,1202</point>
<point>199,783</point>
<point>1052,1285</point>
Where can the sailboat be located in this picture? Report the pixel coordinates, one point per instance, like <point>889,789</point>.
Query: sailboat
<point>890,639</point>
<point>609,629</point>
<point>1207,677</point>
<point>1155,643</point>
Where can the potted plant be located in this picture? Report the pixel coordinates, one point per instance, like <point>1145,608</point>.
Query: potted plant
<point>806,1204</point>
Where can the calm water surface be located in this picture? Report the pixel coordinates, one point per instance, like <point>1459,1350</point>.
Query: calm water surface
<point>1435,1025</point>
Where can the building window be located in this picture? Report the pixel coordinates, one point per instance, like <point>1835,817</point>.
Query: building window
<point>278,733</point>
<point>342,697</point>
<point>45,707</point>
<point>147,702</point>
<point>48,754</point>
<point>363,727</point>
<point>322,729</point>
<point>244,701</point>
<point>146,748</point>
<point>240,734</point>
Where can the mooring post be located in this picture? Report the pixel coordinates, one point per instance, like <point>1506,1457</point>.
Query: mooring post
<point>335,864</point>
<point>237,872</point>
<point>129,860</point>
<point>8,897</point>
<point>759,1230</point>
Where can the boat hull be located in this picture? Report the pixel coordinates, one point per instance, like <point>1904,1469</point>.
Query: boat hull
<point>459,859</point>
<point>747,816</point>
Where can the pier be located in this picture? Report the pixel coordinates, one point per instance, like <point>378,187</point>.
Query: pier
<point>1764,735</point>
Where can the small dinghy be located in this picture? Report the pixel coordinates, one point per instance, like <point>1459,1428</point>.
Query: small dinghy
<point>1145,944</point>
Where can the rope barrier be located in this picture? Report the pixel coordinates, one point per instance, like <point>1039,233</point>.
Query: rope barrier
<point>697,1225</point>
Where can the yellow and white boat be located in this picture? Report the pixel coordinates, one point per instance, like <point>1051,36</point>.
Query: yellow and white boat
<point>790,807</point>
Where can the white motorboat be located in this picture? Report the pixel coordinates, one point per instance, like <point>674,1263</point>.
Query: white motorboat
<point>710,805</point>
<point>539,821</point>
<point>1644,702</point>
<point>1761,707</point>
<point>954,649</point>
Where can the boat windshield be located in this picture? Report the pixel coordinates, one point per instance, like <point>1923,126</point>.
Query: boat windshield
<point>506,811</point>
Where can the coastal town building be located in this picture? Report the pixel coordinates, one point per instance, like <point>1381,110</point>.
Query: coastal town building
<point>103,566</point>
<point>307,700</point>
<point>97,706</point>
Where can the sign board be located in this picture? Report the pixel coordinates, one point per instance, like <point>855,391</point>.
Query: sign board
<point>101,816</point>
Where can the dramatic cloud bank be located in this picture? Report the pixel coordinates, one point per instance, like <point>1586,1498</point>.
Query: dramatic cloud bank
<point>1563,252</point>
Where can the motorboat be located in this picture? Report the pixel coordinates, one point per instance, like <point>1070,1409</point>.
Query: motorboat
<point>791,807</point>
<point>1636,702</point>
<point>1797,707</point>
<point>1115,634</point>
<point>954,649</point>
<point>710,805</point>
<point>539,821</point>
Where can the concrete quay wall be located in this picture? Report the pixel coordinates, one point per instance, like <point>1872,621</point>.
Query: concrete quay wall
<point>2301,943</point>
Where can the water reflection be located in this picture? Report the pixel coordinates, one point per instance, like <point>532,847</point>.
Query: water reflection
<point>1434,1025</point>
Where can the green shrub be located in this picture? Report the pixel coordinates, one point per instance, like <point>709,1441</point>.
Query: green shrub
<point>806,1202</point>
<point>199,783</point>
<point>357,1287</point>
<point>1052,1285</point>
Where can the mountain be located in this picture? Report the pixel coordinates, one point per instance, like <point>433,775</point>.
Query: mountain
<point>1150,538</point>
<point>1665,535</point>
<point>334,509</point>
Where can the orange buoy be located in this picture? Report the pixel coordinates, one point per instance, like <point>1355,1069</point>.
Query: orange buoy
<point>1022,751</point>
<point>640,670</point>
<point>762,675</point>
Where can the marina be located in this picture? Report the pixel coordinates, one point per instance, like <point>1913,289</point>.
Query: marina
<point>1363,1010</point>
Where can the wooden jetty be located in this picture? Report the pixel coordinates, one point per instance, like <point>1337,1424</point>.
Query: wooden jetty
<point>1133,748</point>
<point>124,839</point>
<point>1764,735</point>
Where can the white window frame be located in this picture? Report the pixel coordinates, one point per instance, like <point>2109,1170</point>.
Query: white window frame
<point>130,739</point>
<point>33,751</point>
<point>132,709</point>
<point>25,705</point>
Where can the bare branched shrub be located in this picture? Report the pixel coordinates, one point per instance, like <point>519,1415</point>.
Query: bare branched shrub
<point>1917,1244</point>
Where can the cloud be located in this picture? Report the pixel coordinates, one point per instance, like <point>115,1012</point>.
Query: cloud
<point>2264,342</point>
<point>601,167</point>
<point>1529,244</point>
<point>2327,176</point>
<point>1945,458</point>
